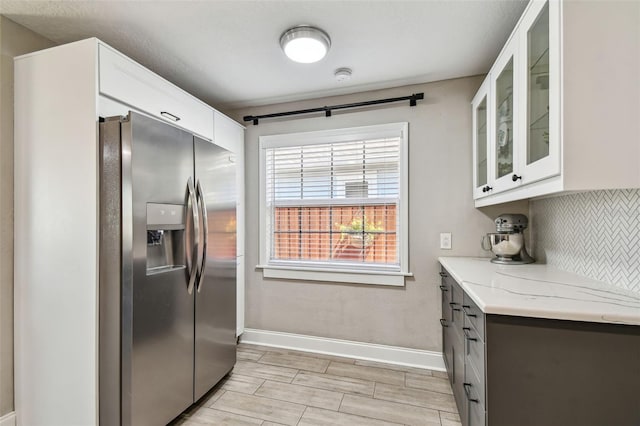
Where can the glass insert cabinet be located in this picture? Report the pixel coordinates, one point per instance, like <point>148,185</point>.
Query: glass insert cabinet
<point>504,121</point>
<point>540,79</point>
<point>504,137</point>
<point>538,88</point>
<point>516,110</point>
<point>481,161</point>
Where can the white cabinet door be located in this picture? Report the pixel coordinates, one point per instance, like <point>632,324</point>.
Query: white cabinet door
<point>481,118</point>
<point>505,99</point>
<point>130,83</point>
<point>574,114</point>
<point>56,229</point>
<point>539,78</point>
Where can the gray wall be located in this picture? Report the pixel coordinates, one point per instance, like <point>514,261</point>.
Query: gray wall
<point>440,200</point>
<point>14,40</point>
<point>595,234</point>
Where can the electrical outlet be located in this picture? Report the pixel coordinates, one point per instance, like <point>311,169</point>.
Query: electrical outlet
<point>445,240</point>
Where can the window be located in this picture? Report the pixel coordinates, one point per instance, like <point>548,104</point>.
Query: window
<point>334,205</point>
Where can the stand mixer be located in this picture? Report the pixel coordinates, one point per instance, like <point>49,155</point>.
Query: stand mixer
<point>507,243</point>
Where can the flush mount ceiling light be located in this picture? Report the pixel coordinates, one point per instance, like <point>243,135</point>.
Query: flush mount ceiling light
<point>305,44</point>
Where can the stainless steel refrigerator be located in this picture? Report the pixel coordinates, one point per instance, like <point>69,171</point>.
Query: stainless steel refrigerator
<point>167,269</point>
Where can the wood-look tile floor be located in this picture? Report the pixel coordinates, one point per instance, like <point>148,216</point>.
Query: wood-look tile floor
<point>271,386</point>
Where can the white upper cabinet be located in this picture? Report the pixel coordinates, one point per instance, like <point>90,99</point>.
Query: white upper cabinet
<point>505,95</point>
<point>481,155</point>
<point>130,83</point>
<point>563,101</point>
<point>539,81</point>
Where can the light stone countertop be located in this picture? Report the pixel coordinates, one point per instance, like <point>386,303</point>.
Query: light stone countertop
<point>542,291</point>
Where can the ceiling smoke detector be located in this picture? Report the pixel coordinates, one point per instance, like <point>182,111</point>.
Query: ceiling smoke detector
<point>343,74</point>
<point>305,44</point>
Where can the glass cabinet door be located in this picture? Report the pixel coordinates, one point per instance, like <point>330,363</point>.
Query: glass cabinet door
<point>506,118</point>
<point>538,88</point>
<point>480,110</point>
<point>481,142</point>
<point>540,79</point>
<point>504,121</point>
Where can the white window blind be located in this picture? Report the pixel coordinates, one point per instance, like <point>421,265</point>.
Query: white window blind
<point>334,203</point>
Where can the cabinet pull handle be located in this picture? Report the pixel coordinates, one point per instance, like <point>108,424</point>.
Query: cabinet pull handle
<point>467,387</point>
<point>444,288</point>
<point>466,330</point>
<point>443,322</point>
<point>515,177</point>
<point>443,274</point>
<point>453,304</point>
<point>464,309</point>
<point>170,116</point>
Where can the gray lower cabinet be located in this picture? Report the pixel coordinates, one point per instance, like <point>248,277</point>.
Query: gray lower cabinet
<point>508,370</point>
<point>474,362</point>
<point>453,338</point>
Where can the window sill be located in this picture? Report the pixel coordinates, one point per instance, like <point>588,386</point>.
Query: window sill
<point>395,279</point>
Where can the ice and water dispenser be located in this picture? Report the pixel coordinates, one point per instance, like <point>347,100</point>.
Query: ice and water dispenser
<point>165,237</point>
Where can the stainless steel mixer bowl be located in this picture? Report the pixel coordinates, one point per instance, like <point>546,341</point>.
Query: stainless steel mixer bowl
<point>506,245</point>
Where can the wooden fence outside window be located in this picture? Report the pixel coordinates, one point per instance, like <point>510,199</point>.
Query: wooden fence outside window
<point>336,233</point>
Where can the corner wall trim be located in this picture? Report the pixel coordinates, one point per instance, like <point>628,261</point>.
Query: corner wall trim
<point>366,351</point>
<point>8,419</point>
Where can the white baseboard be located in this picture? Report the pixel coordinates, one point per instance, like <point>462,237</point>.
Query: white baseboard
<point>346,348</point>
<point>8,419</point>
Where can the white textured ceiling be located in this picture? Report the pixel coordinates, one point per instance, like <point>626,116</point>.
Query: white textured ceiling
<point>228,53</point>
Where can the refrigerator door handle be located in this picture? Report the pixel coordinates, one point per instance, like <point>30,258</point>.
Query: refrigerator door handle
<point>193,202</point>
<point>205,231</point>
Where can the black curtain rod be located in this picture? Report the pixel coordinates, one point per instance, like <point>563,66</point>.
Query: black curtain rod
<point>327,109</point>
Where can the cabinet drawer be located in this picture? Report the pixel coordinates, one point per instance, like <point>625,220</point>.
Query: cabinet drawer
<point>456,305</point>
<point>473,387</point>
<point>448,351</point>
<point>476,414</point>
<point>445,289</point>
<point>457,373</point>
<point>445,285</point>
<point>452,295</point>
<point>132,84</point>
<point>473,314</point>
<point>474,349</point>
<point>446,320</point>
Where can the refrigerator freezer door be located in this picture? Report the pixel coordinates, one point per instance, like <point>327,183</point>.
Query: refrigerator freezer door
<point>215,316</point>
<point>157,309</point>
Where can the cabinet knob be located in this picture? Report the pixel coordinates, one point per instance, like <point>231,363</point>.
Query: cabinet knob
<point>444,288</point>
<point>443,274</point>
<point>515,177</point>
<point>486,188</point>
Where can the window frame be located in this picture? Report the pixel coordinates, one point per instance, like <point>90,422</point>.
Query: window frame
<point>330,272</point>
